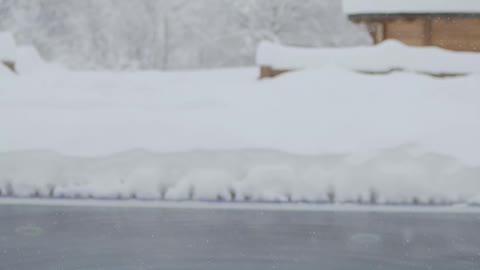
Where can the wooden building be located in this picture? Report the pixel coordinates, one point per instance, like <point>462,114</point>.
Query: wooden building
<point>449,24</point>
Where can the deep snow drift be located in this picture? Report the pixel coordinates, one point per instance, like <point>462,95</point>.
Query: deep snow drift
<point>384,57</point>
<point>333,134</point>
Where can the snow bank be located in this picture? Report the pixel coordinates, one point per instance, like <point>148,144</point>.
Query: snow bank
<point>403,6</point>
<point>27,59</point>
<point>332,134</point>
<point>7,47</point>
<point>387,56</point>
<point>401,175</point>
<point>30,62</point>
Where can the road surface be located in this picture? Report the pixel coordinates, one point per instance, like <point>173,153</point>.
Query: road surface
<point>56,237</point>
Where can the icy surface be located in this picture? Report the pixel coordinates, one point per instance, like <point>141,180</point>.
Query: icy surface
<point>417,6</point>
<point>387,56</point>
<point>45,238</point>
<point>334,135</point>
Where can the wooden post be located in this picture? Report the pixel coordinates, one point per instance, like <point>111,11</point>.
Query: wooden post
<point>265,72</point>
<point>268,72</point>
<point>10,65</point>
<point>377,31</point>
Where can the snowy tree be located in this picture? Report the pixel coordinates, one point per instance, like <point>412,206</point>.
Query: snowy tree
<point>172,34</point>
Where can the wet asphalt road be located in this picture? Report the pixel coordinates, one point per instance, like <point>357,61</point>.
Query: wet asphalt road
<point>51,238</point>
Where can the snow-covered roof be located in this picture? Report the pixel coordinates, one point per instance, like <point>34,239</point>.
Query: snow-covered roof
<point>353,7</point>
<point>387,56</point>
<point>7,47</point>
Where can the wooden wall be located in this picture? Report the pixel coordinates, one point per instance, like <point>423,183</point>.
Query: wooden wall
<point>410,32</point>
<point>453,33</point>
<point>457,34</point>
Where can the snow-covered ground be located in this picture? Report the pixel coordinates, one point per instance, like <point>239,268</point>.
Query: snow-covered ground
<point>319,135</point>
<point>314,135</point>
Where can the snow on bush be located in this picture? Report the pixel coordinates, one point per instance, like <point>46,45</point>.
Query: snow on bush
<point>392,175</point>
<point>386,56</point>
<point>328,135</point>
<point>203,184</point>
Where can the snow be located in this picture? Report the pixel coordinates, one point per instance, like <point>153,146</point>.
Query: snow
<point>417,6</point>
<point>384,57</point>
<point>251,206</point>
<point>27,60</point>
<point>30,62</point>
<point>7,47</point>
<point>310,135</point>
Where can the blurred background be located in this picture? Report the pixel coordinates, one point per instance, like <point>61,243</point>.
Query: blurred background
<point>173,34</point>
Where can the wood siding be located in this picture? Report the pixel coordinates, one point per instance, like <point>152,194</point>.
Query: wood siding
<point>410,32</point>
<point>457,34</point>
<point>453,33</point>
<point>449,32</point>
